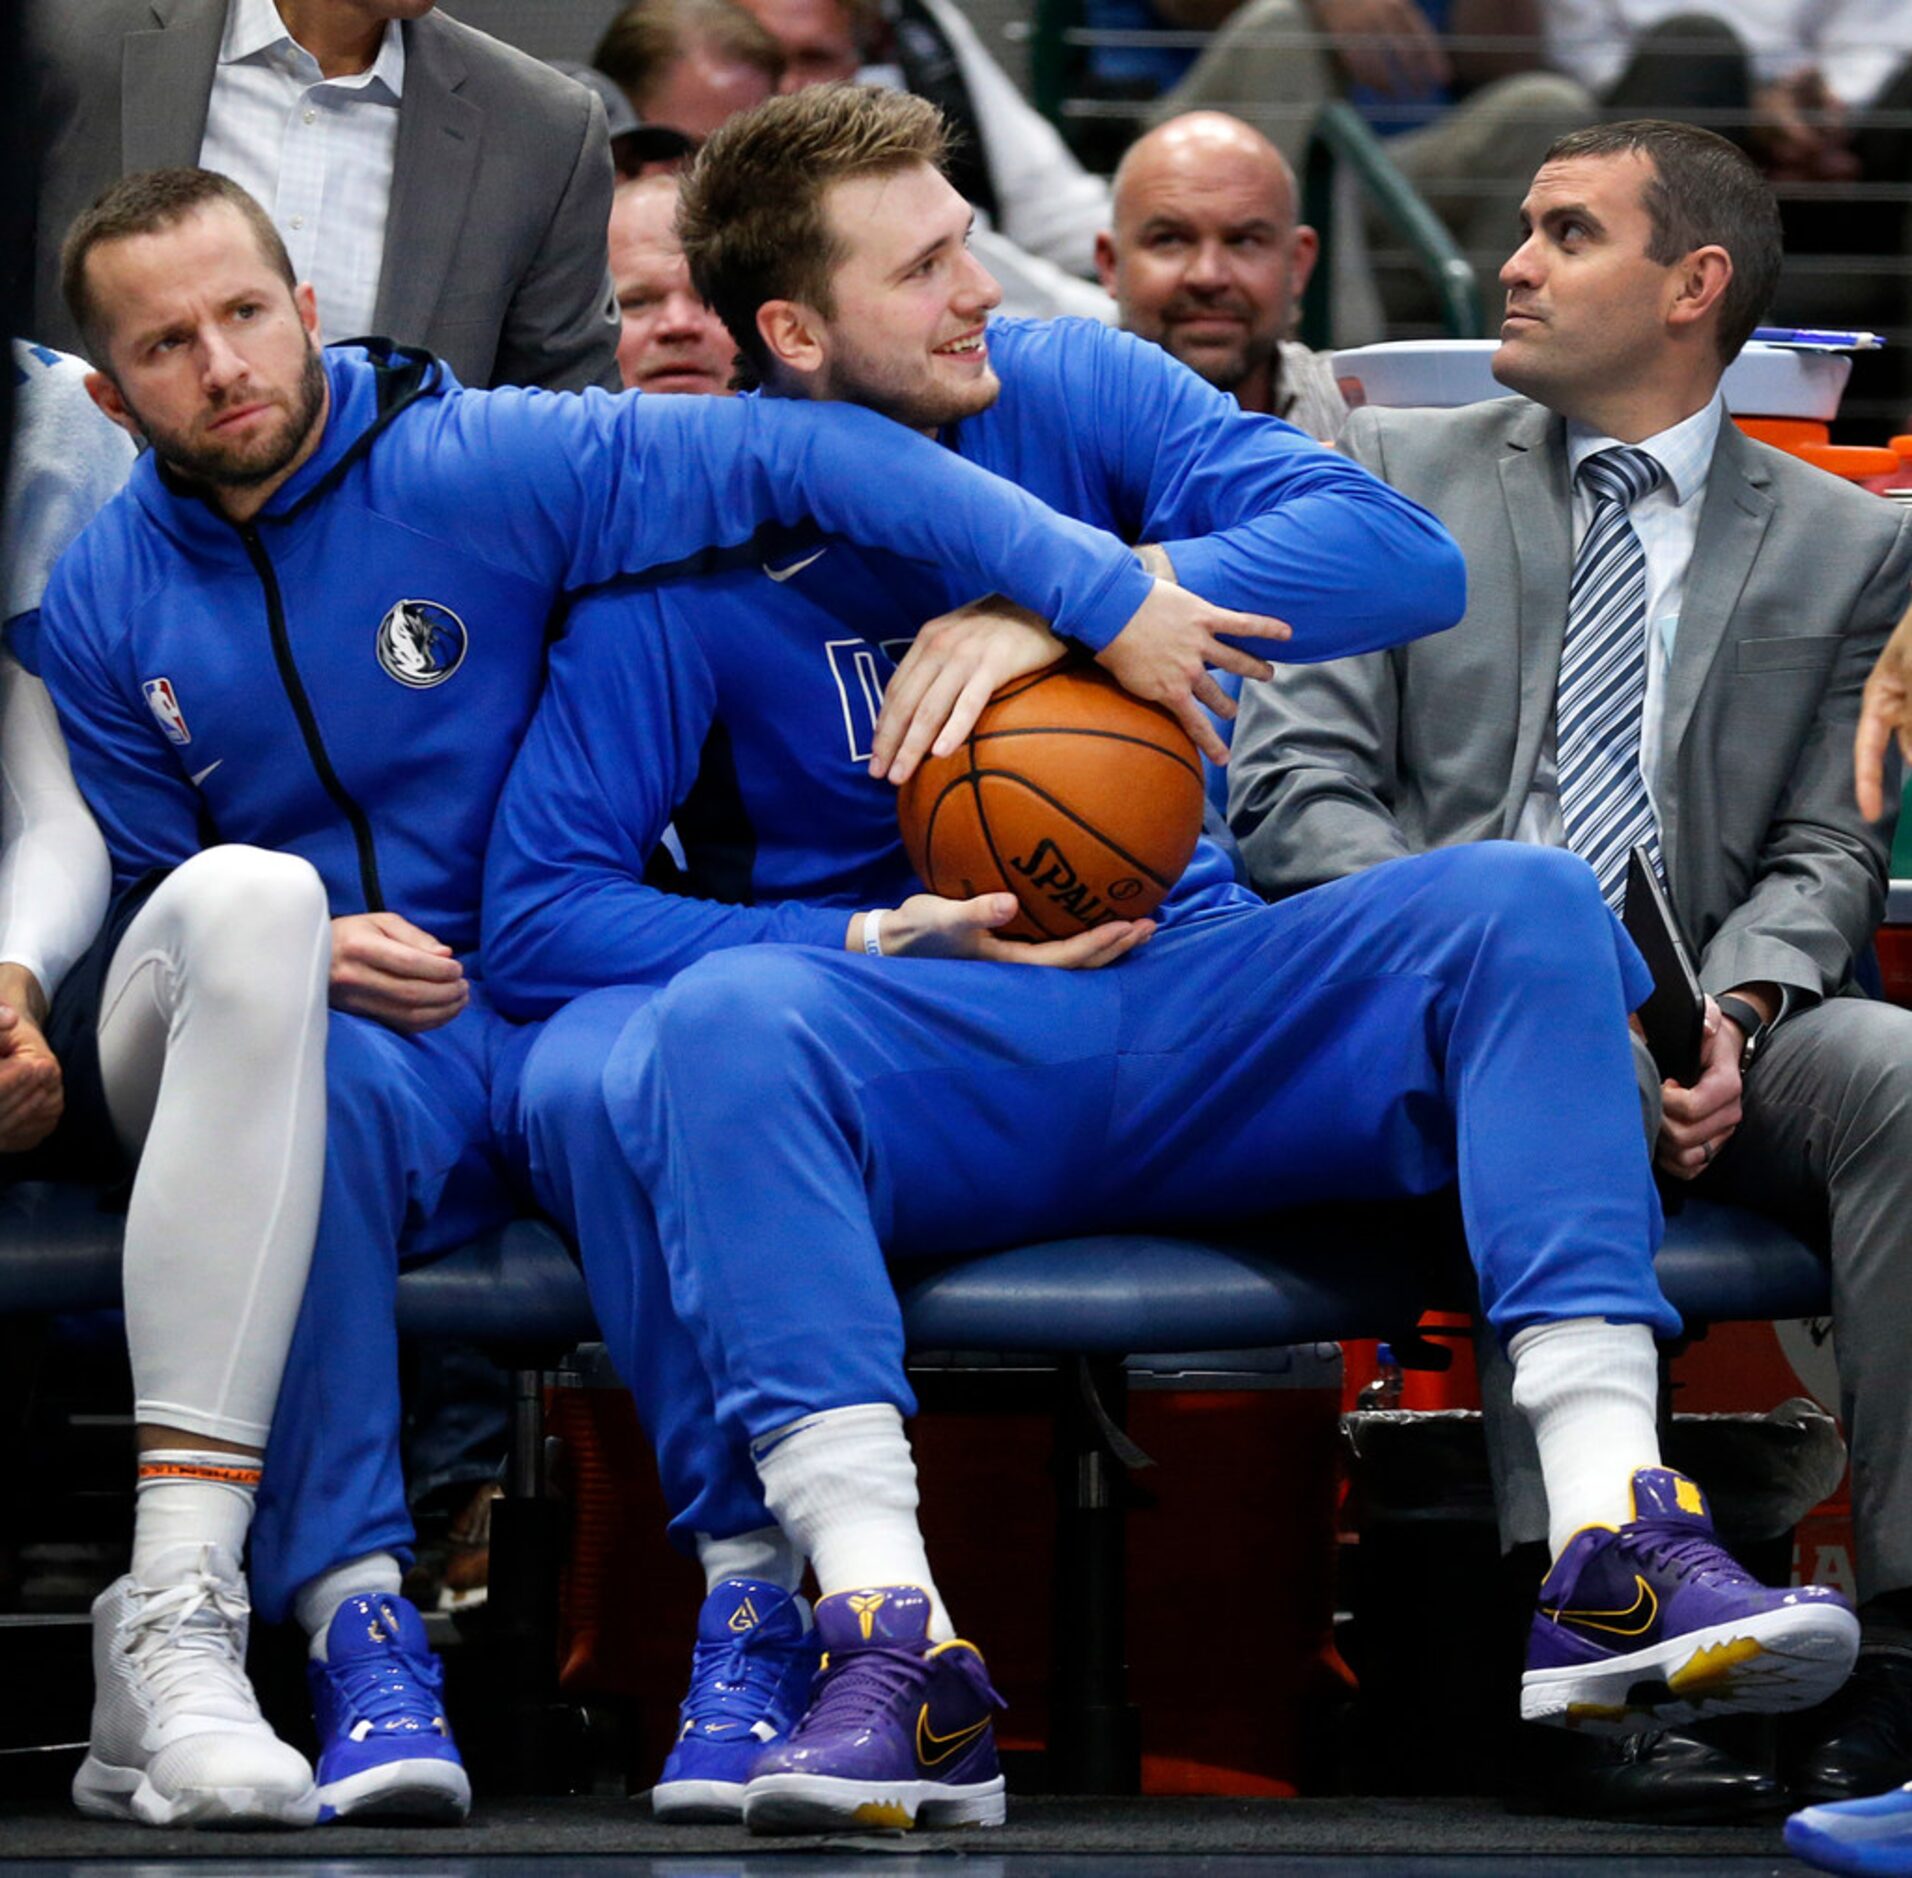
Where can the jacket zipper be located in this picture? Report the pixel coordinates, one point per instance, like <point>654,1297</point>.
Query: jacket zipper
<point>309,724</point>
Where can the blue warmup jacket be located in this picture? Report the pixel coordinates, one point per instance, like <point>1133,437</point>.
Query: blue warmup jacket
<point>740,705</point>
<point>347,677</point>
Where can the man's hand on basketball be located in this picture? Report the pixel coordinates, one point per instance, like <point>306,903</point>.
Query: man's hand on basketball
<point>386,968</point>
<point>1885,712</point>
<point>926,926</point>
<point>31,1092</point>
<point>949,673</point>
<point>1165,650</point>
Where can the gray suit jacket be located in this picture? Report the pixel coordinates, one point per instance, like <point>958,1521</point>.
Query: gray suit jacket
<point>1794,580</point>
<point>495,244</point>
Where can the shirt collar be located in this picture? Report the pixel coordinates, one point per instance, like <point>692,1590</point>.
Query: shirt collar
<point>1684,450</point>
<point>254,27</point>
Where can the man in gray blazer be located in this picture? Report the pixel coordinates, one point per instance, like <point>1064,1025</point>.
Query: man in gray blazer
<point>493,253</point>
<point>1673,653</point>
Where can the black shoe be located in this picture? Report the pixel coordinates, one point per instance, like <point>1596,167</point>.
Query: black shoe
<point>1860,1742</point>
<point>1665,1779</point>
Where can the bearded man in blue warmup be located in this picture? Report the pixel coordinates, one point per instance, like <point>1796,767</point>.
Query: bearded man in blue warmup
<point>315,622</point>
<point>842,1068</point>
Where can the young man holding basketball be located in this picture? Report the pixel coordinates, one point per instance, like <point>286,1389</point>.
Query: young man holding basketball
<point>841,1069</point>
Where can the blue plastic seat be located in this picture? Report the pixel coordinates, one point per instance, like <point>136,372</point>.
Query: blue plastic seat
<point>1324,1275</point>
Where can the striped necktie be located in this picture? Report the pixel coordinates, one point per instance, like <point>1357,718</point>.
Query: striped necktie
<point>1603,800</point>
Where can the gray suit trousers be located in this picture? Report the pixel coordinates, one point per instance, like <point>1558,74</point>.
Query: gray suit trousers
<point>1824,1147</point>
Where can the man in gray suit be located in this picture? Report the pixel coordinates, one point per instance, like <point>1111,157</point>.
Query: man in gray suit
<point>459,190</point>
<point>1667,635</point>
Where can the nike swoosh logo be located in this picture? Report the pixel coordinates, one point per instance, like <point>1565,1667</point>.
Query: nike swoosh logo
<point>1635,1621</point>
<point>207,771</point>
<point>781,574</point>
<point>945,1745</point>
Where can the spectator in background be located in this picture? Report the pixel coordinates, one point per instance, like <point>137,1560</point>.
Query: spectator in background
<point>637,148</point>
<point>690,64</point>
<point>671,341</point>
<point>439,188</point>
<point>1042,209</point>
<point>1207,257</point>
<point>1799,67</point>
<point>1468,128</point>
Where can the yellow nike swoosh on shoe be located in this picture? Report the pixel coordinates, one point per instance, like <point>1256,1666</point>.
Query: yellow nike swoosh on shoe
<point>945,1745</point>
<point>1645,1608</point>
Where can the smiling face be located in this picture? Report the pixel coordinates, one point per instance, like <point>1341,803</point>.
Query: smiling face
<point>905,335</point>
<point>208,354</point>
<point>1587,308</point>
<point>670,341</point>
<point>1205,258</point>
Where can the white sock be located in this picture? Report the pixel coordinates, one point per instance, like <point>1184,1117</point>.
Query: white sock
<point>1590,1389</point>
<point>375,1575</point>
<point>190,1498</point>
<point>764,1553</point>
<point>842,1484</point>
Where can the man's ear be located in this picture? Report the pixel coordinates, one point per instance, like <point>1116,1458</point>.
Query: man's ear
<point>1699,282</point>
<point>106,395</point>
<point>791,334</point>
<point>1305,252</point>
<point>308,304</point>
<point>1105,260</point>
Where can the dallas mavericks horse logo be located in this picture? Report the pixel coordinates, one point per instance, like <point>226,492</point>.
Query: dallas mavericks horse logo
<point>421,643</point>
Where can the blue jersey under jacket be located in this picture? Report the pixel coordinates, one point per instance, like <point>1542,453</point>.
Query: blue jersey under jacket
<point>740,706</point>
<point>347,677</point>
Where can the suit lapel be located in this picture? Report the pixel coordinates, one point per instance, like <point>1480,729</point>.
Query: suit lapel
<point>432,172</point>
<point>166,82</point>
<point>1733,522</point>
<point>1533,480</point>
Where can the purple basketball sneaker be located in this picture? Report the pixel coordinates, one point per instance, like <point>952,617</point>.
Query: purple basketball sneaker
<point>1652,1625</point>
<point>898,1729</point>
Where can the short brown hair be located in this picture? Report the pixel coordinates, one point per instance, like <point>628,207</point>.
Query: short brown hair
<point>751,218</point>
<point>647,39</point>
<point>1704,192</point>
<point>144,204</point>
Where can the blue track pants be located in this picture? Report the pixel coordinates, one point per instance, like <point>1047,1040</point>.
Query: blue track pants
<point>799,1115</point>
<point>583,1178</point>
<point>415,1164</point>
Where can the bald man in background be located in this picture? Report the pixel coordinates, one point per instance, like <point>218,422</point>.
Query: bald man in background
<point>668,340</point>
<point>1208,258</point>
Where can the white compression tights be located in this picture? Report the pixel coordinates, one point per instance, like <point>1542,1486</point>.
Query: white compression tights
<point>212,1049</point>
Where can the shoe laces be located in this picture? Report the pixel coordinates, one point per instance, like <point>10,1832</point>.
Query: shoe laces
<point>1685,1553</point>
<point>391,1691</point>
<point>184,1637</point>
<point>735,1679</point>
<point>1676,1549</point>
<point>860,1688</point>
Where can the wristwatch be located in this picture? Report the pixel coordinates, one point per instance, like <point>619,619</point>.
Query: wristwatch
<point>1754,1028</point>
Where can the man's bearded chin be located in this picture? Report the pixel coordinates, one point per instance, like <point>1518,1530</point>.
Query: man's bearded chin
<point>216,465</point>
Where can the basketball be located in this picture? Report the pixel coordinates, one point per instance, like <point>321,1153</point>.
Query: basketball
<point>1082,801</point>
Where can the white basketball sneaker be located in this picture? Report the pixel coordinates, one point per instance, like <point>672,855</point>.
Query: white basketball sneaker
<point>178,1739</point>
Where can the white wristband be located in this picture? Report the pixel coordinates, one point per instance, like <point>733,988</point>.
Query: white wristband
<point>873,932</point>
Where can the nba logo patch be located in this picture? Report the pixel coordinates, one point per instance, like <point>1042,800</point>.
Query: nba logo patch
<point>165,707</point>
